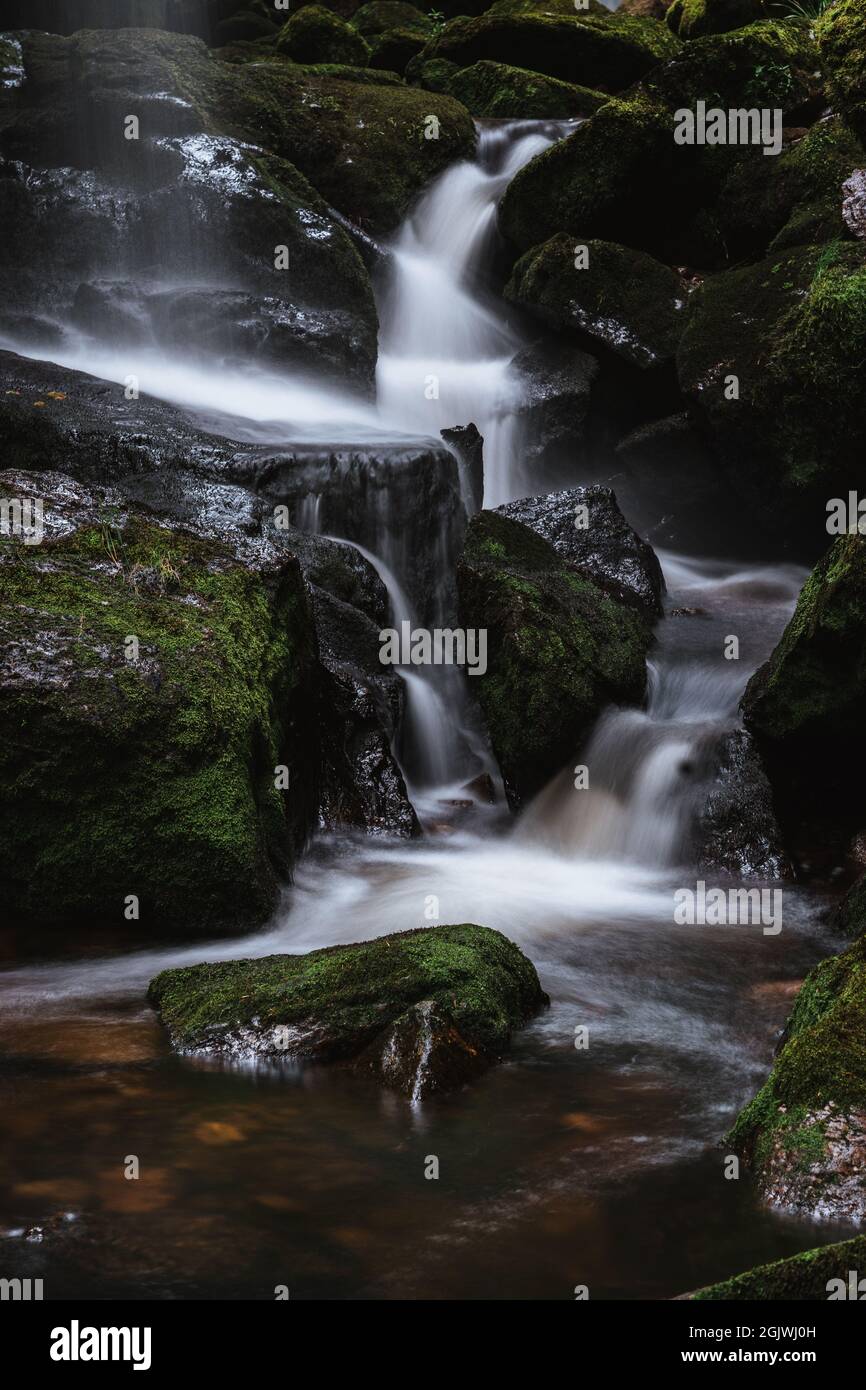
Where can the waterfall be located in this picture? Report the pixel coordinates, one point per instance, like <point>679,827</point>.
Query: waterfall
<point>445,350</point>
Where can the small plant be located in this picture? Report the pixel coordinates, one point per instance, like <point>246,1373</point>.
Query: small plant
<point>437,19</point>
<point>803,9</point>
<point>771,82</point>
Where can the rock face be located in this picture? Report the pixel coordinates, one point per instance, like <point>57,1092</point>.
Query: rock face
<point>559,648</point>
<point>805,1132</point>
<point>424,1011</point>
<point>738,832</point>
<point>616,299</point>
<point>812,1276</point>
<point>804,706</point>
<point>605,549</point>
<point>161,681</point>
<point>789,334</point>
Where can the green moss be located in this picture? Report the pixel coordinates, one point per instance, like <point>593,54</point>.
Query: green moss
<point>394,50</point>
<point>350,994</point>
<point>691,19</point>
<point>559,650</point>
<point>771,63</point>
<point>841,36</point>
<point>850,916</point>
<point>497,90</point>
<point>378,16</point>
<point>622,300</point>
<point>315,35</point>
<point>168,761</point>
<point>802,1277</point>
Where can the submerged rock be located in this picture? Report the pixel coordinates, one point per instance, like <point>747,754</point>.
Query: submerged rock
<point>423,1010</point>
<point>804,1134</point>
<point>620,300</point>
<point>812,1276</point>
<point>559,649</point>
<point>605,549</point>
<point>162,680</point>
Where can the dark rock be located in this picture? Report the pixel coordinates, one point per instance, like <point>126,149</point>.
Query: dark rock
<point>605,550</point>
<point>803,1278</point>
<point>770,64</point>
<point>423,1010</point>
<point>314,35</point>
<point>849,916</point>
<point>501,90</point>
<point>691,19</point>
<point>559,649</point>
<point>738,832</point>
<point>622,301</point>
<point>555,381</point>
<point>377,16</point>
<point>394,50</point>
<point>469,448</point>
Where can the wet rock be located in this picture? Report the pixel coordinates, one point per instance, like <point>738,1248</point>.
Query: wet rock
<point>555,381</point>
<point>469,448</point>
<point>596,51</point>
<point>621,301</point>
<point>738,831</point>
<point>605,549</point>
<point>559,649</point>
<point>501,90</point>
<point>854,203</point>
<point>807,1277</point>
<point>315,35</point>
<point>804,1134</point>
<point>770,358</point>
<point>162,680</point>
<point>424,1010</point>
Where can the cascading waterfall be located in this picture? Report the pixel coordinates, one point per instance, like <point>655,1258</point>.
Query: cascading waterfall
<point>445,350</point>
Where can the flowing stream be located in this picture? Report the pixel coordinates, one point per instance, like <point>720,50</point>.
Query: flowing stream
<point>561,1166</point>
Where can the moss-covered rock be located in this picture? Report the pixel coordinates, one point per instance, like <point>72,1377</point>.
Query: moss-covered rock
<point>850,914</point>
<point>395,49</point>
<point>807,1277</point>
<point>620,177</point>
<point>691,19</point>
<point>424,1010</point>
<point>151,684</point>
<point>769,64</point>
<point>604,52</point>
<point>804,1134</point>
<point>622,300</point>
<point>315,35</point>
<point>841,36</point>
<point>792,331</point>
<point>795,200</point>
<point>497,89</point>
<point>378,16</point>
<point>559,649</point>
<point>549,7</point>
<point>434,75</point>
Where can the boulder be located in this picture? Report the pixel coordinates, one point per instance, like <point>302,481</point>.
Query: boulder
<point>737,831</point>
<point>771,358</point>
<point>395,49</point>
<point>468,447</point>
<point>555,383</point>
<point>802,1278</point>
<point>315,35</point>
<point>849,916</point>
<point>839,32</point>
<point>589,532</point>
<point>804,706</point>
<point>606,52</point>
<point>622,301</point>
<point>501,90</point>
<point>378,16</point>
<point>773,63</point>
<point>804,1134</point>
<point>559,649</point>
<point>692,19</point>
<point>156,682</point>
<point>423,1011</point>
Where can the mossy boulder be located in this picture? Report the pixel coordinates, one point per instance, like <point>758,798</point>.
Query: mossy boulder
<point>795,200</point>
<point>849,916</point>
<point>152,682</point>
<point>621,177</point>
<point>315,35</point>
<point>549,7</point>
<point>804,1278</point>
<point>773,63</point>
<point>599,52</point>
<point>792,331</point>
<point>841,36</point>
<point>498,89</point>
<point>395,49</point>
<point>622,300</point>
<point>805,704</point>
<point>423,1010</point>
<point>804,1134</point>
<point>559,649</point>
<point>692,19</point>
<point>378,16</point>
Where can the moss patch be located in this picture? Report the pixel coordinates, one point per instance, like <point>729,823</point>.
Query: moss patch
<point>802,1278</point>
<point>500,90</point>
